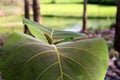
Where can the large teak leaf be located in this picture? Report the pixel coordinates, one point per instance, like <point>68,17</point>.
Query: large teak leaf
<point>27,58</point>
<point>39,31</point>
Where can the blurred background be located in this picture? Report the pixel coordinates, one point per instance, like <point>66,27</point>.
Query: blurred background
<point>59,14</point>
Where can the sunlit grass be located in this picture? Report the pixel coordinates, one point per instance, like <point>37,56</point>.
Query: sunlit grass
<point>76,10</point>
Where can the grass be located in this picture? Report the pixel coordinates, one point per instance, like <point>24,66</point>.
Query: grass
<point>58,13</point>
<point>76,10</point>
<point>10,24</point>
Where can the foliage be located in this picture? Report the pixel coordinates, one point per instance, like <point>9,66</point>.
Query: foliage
<point>106,2</point>
<point>41,32</point>
<point>26,58</point>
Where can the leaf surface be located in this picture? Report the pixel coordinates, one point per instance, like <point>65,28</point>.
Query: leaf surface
<point>32,59</point>
<point>39,30</point>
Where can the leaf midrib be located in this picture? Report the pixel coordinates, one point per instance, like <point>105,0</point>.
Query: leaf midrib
<point>59,62</point>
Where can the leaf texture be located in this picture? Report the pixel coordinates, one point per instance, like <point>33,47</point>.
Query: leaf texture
<point>32,59</point>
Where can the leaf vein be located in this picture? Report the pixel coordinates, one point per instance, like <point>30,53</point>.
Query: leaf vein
<point>78,64</point>
<point>81,49</point>
<point>46,69</point>
<point>31,58</point>
<point>52,32</point>
<point>22,46</point>
<point>67,76</point>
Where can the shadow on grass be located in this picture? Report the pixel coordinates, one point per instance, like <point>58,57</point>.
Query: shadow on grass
<point>63,3</point>
<point>77,17</point>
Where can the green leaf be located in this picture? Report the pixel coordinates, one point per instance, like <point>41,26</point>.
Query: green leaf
<point>26,58</point>
<point>39,30</point>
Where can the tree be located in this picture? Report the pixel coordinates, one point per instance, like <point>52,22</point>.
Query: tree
<point>117,28</point>
<point>36,10</point>
<point>53,1</point>
<point>27,15</point>
<point>84,16</point>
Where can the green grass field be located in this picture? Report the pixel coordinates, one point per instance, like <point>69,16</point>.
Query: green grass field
<point>57,16</point>
<point>76,10</point>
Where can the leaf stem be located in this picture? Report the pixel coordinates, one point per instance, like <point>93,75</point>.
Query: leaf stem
<point>49,39</point>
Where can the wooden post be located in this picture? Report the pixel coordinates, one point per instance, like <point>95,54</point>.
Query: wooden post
<point>84,16</point>
<point>36,10</point>
<point>117,28</point>
<point>27,15</point>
